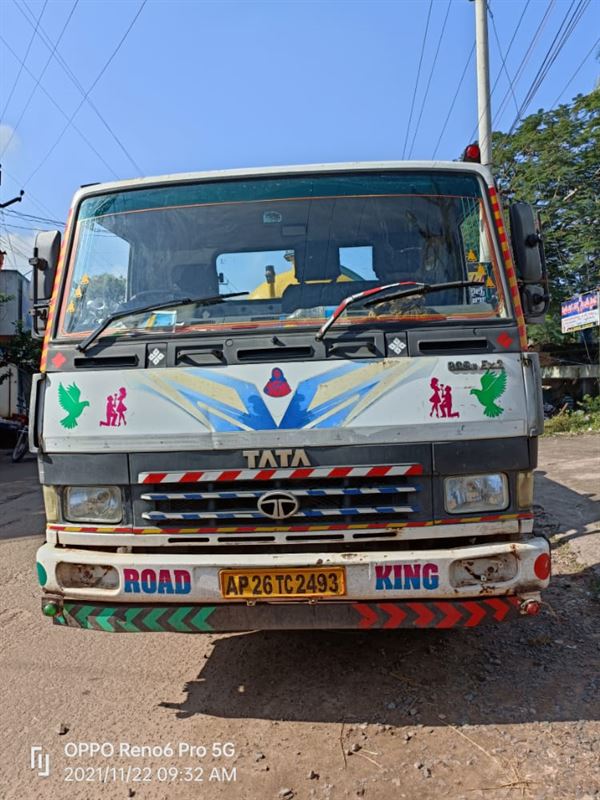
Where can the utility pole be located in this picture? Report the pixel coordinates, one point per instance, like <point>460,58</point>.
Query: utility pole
<point>15,199</point>
<point>484,108</point>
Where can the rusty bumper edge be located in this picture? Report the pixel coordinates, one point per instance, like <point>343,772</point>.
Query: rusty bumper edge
<point>125,618</point>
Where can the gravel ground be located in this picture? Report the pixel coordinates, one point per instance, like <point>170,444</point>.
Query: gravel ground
<point>511,711</point>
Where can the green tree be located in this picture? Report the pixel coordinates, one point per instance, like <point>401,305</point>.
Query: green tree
<point>552,161</point>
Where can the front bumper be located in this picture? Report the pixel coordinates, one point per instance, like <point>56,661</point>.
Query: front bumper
<point>486,570</point>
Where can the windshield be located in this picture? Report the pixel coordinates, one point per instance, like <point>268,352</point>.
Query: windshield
<point>298,246</point>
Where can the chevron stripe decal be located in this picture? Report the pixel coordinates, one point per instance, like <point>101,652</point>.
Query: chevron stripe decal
<point>436,614</point>
<point>137,619</point>
<point>147,618</point>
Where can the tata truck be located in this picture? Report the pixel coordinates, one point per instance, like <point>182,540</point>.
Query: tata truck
<point>290,398</point>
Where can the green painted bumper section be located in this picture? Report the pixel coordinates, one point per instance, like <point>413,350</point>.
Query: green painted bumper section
<point>136,619</point>
<point>41,573</point>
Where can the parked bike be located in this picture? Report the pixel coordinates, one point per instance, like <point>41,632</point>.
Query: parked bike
<point>22,445</point>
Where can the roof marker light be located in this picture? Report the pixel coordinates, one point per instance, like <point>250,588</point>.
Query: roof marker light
<point>472,153</point>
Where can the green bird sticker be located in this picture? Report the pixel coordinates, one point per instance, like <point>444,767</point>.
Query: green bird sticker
<point>493,386</point>
<point>69,400</point>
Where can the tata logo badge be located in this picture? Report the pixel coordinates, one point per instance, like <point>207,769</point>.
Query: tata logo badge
<point>278,505</point>
<point>271,459</point>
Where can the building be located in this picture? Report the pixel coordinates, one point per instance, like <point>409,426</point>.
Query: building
<point>13,390</point>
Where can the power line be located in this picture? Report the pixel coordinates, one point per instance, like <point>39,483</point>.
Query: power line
<point>53,101</point>
<point>33,217</point>
<point>560,39</point>
<point>21,227</point>
<point>437,51</point>
<point>16,80</point>
<point>525,59</point>
<point>30,196</point>
<point>41,75</point>
<point>574,75</point>
<point>453,103</point>
<point>100,74</point>
<point>77,83</point>
<point>503,65</point>
<point>412,105</point>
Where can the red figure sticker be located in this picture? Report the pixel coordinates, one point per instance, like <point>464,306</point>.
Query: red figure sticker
<point>115,409</point>
<point>277,386</point>
<point>441,400</point>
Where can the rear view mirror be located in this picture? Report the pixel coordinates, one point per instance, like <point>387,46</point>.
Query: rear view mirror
<point>529,261</point>
<point>45,259</point>
<point>526,243</point>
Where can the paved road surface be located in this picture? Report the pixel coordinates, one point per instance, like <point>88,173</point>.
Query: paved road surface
<point>505,712</point>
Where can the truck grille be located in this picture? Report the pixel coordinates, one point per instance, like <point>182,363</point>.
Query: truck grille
<point>334,503</point>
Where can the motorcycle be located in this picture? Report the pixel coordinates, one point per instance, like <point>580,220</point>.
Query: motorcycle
<point>22,445</point>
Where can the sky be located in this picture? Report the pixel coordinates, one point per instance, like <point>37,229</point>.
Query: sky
<point>129,88</point>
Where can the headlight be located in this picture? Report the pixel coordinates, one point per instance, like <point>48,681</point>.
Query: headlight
<point>93,504</point>
<point>469,493</point>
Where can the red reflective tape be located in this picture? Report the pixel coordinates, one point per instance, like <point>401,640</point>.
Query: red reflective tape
<point>302,473</point>
<point>190,477</point>
<point>501,607</point>
<point>339,472</point>
<point>477,612</point>
<point>452,615</point>
<point>416,469</point>
<point>396,615</point>
<point>368,617</point>
<point>264,475</point>
<point>424,614</point>
<point>378,472</point>
<point>154,477</point>
<point>229,475</point>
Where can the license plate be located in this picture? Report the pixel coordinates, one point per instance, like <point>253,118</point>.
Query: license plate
<point>268,583</point>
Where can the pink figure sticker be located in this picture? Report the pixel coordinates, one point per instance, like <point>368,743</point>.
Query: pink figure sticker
<point>115,409</point>
<point>277,386</point>
<point>441,400</point>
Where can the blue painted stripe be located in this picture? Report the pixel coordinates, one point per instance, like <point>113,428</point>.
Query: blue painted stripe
<point>298,492</point>
<point>310,513</point>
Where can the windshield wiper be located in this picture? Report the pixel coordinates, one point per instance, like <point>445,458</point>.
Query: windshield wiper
<point>184,301</point>
<point>417,289</point>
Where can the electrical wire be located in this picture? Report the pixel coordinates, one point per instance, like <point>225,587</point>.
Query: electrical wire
<point>41,75</point>
<point>577,71</point>
<point>560,39</point>
<point>21,227</point>
<point>16,80</point>
<point>525,59</point>
<point>412,105</point>
<point>64,113</point>
<point>453,103</point>
<point>36,201</point>
<point>437,51</point>
<point>21,215</point>
<point>95,82</point>
<point>79,86</point>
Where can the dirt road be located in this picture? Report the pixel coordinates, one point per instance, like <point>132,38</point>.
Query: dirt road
<point>502,712</point>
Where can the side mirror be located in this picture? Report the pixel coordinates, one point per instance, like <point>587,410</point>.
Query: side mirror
<point>530,263</point>
<point>44,262</point>
<point>526,243</point>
